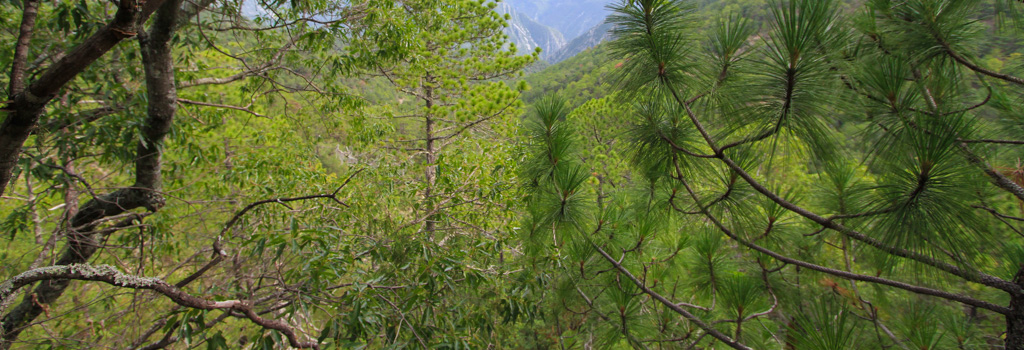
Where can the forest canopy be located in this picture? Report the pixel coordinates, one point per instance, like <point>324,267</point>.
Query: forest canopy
<point>786,174</point>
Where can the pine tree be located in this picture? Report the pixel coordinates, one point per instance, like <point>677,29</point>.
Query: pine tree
<point>440,143</point>
<point>835,180</point>
<point>452,76</point>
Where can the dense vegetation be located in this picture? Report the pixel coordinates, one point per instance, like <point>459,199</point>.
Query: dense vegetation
<point>802,174</point>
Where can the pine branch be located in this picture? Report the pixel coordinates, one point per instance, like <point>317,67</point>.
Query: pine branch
<point>960,59</point>
<point>973,276</point>
<point>669,304</point>
<point>848,275</point>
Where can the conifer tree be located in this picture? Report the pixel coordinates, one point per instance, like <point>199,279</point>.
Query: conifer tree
<point>452,77</point>
<point>441,144</point>
<point>836,180</point>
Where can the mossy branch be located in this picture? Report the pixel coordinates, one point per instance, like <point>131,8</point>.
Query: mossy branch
<point>110,275</point>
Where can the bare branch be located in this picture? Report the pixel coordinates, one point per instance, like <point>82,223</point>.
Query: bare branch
<point>217,105</point>
<point>333,196</point>
<point>110,275</point>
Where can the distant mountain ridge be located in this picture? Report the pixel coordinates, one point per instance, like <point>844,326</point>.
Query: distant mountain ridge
<point>549,23</point>
<point>570,17</point>
<point>528,34</point>
<point>590,38</point>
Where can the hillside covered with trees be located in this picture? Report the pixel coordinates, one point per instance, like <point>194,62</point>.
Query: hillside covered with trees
<point>720,174</point>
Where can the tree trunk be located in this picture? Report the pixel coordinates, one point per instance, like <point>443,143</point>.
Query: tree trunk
<point>430,173</point>
<point>1015,324</point>
<point>30,9</point>
<point>1015,318</point>
<point>25,107</point>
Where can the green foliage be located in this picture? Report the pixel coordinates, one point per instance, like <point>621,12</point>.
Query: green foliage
<point>786,159</point>
<point>827,325</point>
<point>800,174</point>
<point>583,77</point>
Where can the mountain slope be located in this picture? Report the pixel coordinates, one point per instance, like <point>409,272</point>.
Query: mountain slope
<point>570,17</point>
<point>585,76</point>
<point>590,38</point>
<point>528,34</point>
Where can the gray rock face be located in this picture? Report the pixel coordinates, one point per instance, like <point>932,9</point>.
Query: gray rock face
<point>528,34</point>
<point>547,24</point>
<point>588,39</point>
<point>570,17</point>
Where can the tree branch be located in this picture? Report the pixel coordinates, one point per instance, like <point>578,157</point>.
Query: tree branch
<point>960,59</point>
<point>26,106</point>
<point>110,275</point>
<point>848,275</point>
<point>208,104</point>
<point>669,304</point>
<point>973,276</point>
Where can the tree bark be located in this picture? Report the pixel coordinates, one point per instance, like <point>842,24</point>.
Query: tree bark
<point>112,276</point>
<point>28,23</point>
<point>430,173</point>
<point>1015,324</point>
<point>1015,318</point>
<point>82,236</point>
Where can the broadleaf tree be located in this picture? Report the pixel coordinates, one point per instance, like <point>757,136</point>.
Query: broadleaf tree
<point>113,138</point>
